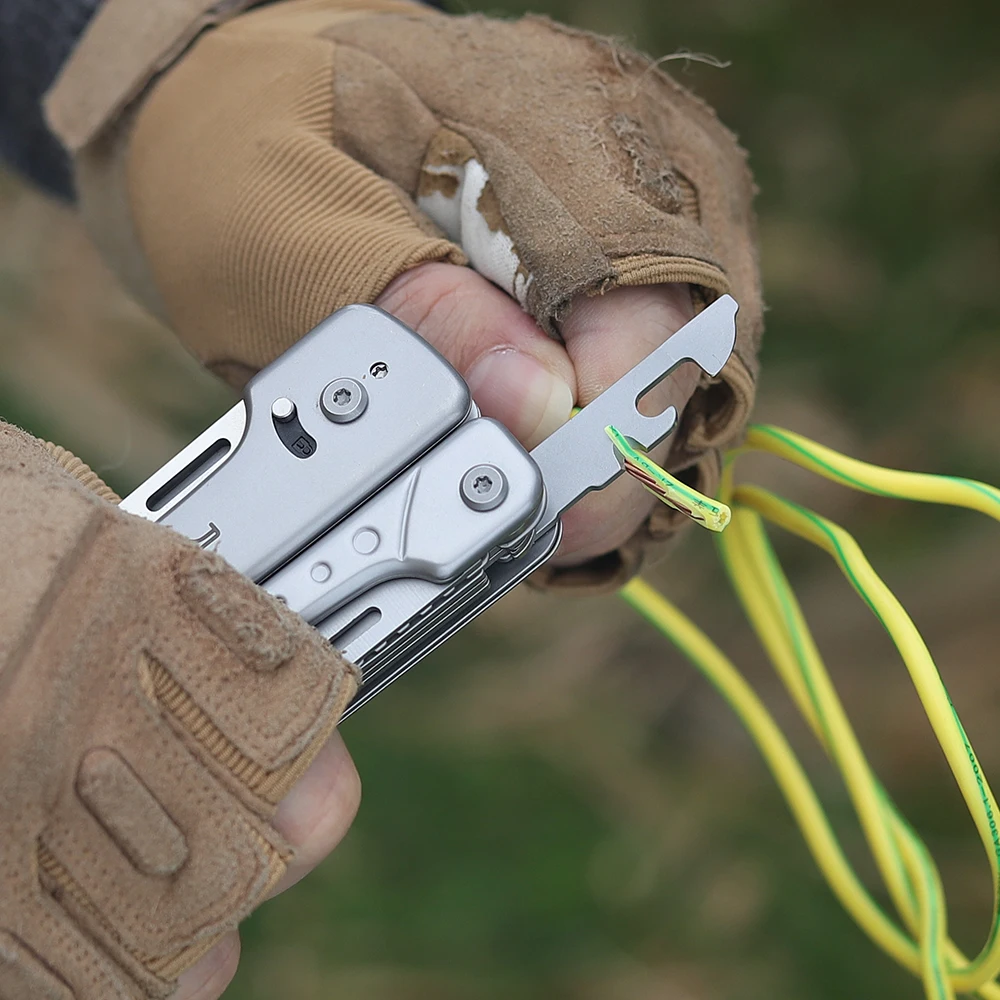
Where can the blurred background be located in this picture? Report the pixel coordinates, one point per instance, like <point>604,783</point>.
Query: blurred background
<point>556,805</point>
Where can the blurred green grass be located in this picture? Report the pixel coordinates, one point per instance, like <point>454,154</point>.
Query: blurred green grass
<point>555,806</point>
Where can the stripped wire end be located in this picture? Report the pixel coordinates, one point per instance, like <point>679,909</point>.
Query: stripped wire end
<point>703,510</point>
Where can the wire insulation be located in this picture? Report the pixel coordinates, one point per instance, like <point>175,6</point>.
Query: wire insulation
<point>709,513</point>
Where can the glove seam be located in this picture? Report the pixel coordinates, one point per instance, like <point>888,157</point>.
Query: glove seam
<point>77,114</point>
<point>81,472</point>
<point>56,881</point>
<point>61,576</point>
<point>239,771</point>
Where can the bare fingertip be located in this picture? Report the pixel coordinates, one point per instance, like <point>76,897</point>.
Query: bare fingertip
<point>318,811</point>
<point>328,794</point>
<point>211,975</point>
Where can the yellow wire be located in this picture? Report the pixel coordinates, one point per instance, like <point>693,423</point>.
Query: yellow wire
<point>666,488</point>
<point>765,594</point>
<point>902,859</point>
<point>928,488</point>
<point>950,490</point>
<point>947,728</point>
<point>777,620</point>
<point>781,759</point>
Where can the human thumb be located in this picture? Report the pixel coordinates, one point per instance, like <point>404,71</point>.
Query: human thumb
<point>516,373</point>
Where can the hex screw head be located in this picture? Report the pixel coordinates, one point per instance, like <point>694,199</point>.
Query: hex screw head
<point>483,487</point>
<point>343,400</point>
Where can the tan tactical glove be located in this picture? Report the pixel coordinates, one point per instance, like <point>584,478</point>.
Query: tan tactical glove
<point>300,156</point>
<point>154,708</point>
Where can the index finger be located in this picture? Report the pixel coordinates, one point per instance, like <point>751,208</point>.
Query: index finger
<point>605,337</point>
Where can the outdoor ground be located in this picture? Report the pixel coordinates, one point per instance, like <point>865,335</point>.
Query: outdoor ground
<point>556,806</point>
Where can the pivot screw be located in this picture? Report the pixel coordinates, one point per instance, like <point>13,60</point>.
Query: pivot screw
<point>343,400</point>
<point>483,487</point>
<point>379,370</point>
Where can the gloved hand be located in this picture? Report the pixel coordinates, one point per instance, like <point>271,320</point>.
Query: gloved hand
<point>155,709</point>
<point>313,153</point>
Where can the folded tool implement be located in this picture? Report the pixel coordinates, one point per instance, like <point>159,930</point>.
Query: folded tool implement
<point>357,481</point>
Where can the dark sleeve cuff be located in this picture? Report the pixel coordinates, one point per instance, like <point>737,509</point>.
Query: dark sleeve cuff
<point>36,36</point>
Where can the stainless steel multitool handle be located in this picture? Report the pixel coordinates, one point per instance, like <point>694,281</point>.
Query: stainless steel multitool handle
<point>357,481</point>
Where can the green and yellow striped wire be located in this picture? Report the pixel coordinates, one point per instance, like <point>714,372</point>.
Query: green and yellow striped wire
<point>917,936</point>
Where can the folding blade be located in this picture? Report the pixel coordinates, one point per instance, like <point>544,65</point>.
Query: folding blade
<point>579,457</point>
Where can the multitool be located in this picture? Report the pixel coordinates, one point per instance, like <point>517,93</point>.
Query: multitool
<point>357,481</point>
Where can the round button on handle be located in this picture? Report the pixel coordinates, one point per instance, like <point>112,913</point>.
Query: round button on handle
<point>283,409</point>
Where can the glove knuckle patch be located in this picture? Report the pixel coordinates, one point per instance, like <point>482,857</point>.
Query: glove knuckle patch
<point>241,616</point>
<point>151,895</point>
<point>128,810</point>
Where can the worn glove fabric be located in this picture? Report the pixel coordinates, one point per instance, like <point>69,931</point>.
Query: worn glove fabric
<point>154,708</point>
<point>298,157</point>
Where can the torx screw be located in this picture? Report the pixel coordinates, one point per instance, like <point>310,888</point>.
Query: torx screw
<point>483,487</point>
<point>379,370</point>
<point>343,400</point>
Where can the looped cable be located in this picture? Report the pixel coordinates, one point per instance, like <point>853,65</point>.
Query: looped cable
<point>919,940</point>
